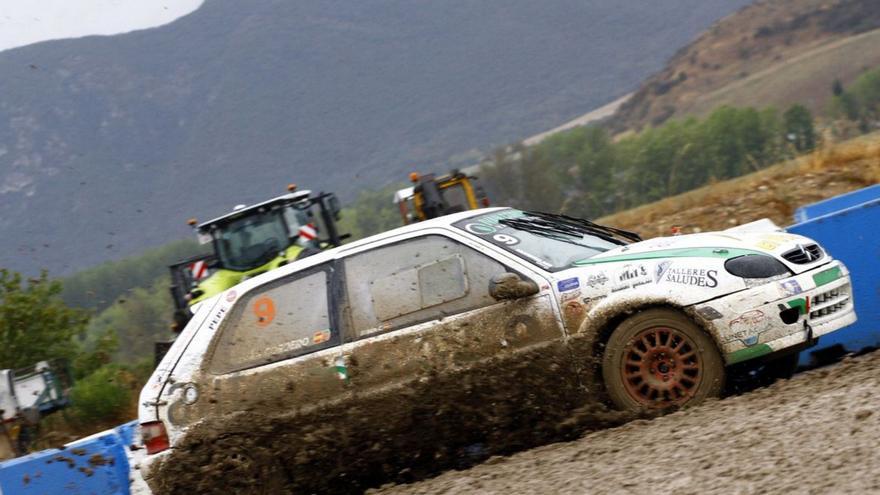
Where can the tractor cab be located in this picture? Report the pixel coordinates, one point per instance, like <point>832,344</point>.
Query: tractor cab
<point>249,237</point>
<point>432,196</point>
<point>251,240</point>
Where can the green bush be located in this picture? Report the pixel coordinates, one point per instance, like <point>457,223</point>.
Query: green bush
<point>104,395</point>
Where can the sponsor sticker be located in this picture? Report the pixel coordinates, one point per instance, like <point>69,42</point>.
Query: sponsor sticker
<point>215,320</point>
<point>709,313</point>
<point>591,300</point>
<point>570,295</point>
<point>631,276</point>
<point>748,327</point>
<point>321,336</point>
<point>697,277</point>
<point>568,284</point>
<point>597,279</point>
<point>789,288</point>
<point>230,296</point>
<point>661,269</point>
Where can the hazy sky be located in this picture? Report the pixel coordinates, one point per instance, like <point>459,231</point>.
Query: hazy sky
<point>23,22</point>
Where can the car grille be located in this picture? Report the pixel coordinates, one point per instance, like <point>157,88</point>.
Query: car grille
<point>830,302</point>
<point>804,254</point>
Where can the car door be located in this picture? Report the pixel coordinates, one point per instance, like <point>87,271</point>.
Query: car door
<point>433,356</point>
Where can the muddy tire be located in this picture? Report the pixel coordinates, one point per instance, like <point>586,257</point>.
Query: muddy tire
<point>659,359</point>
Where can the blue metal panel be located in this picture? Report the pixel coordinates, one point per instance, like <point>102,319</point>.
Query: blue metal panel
<point>127,432</point>
<point>852,235</point>
<point>94,466</point>
<point>837,203</point>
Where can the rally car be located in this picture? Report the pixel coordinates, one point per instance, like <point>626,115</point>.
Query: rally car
<point>403,347</point>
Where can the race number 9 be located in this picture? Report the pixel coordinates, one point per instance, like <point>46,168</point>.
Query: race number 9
<point>505,239</point>
<point>264,309</point>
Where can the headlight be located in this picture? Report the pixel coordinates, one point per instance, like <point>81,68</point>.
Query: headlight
<point>757,269</point>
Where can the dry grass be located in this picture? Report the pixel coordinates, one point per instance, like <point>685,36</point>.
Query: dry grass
<point>774,193</point>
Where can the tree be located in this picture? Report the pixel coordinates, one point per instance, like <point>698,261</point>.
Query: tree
<point>837,87</point>
<point>34,323</point>
<point>799,128</point>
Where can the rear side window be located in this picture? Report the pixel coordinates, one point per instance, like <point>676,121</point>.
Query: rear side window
<point>416,280</point>
<point>286,318</point>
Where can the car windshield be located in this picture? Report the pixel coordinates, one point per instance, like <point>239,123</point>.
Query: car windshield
<point>251,241</point>
<point>553,242</point>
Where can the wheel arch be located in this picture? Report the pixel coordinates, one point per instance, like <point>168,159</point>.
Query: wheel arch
<point>601,322</point>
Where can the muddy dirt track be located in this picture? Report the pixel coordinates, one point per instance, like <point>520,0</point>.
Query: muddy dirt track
<point>817,433</point>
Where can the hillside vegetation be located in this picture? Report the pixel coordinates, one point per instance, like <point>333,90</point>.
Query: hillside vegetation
<point>108,144</point>
<point>774,52</point>
<point>774,193</point>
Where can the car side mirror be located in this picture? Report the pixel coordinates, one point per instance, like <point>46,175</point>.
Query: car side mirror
<point>511,286</point>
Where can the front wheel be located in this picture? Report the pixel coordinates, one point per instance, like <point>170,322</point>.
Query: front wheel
<point>659,359</point>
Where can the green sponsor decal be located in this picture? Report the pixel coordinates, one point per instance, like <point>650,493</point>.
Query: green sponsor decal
<point>708,252</point>
<point>827,276</point>
<point>800,304</point>
<point>341,368</point>
<point>748,353</point>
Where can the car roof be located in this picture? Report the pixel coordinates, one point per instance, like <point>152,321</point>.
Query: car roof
<point>444,221</point>
<point>329,254</point>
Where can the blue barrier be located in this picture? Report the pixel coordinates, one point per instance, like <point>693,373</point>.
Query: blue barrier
<point>96,465</point>
<point>851,233</point>
<point>837,203</point>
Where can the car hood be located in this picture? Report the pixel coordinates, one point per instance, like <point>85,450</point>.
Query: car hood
<point>715,245</point>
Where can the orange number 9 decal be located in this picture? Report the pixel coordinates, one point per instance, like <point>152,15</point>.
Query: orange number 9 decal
<point>264,309</point>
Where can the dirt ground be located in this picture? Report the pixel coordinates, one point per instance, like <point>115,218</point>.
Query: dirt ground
<point>817,433</point>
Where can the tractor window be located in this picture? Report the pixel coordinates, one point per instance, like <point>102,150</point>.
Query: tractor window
<point>251,241</point>
<point>284,319</point>
<point>302,226</point>
<point>456,198</point>
<point>413,281</point>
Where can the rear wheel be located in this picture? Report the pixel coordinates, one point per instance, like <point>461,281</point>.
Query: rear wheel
<point>660,359</point>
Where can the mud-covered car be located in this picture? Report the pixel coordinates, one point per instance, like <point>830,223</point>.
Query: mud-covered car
<point>472,334</point>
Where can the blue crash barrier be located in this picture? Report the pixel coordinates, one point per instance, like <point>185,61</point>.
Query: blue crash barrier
<point>96,465</point>
<point>848,226</point>
<point>836,204</point>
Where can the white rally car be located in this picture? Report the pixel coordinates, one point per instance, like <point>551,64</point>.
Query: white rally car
<point>527,313</point>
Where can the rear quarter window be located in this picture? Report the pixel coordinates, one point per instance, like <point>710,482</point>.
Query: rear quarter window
<point>286,318</point>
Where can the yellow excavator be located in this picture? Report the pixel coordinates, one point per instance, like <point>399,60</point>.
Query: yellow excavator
<point>431,196</point>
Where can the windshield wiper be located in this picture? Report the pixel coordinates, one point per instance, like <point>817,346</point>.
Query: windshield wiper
<point>554,226</point>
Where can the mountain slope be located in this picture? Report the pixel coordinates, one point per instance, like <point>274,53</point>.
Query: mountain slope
<point>108,143</point>
<point>775,52</point>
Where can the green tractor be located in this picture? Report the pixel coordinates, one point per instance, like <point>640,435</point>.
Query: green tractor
<point>251,240</point>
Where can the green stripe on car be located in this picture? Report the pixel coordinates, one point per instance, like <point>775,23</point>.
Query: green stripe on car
<point>827,276</point>
<point>800,304</point>
<point>702,252</point>
<point>748,353</point>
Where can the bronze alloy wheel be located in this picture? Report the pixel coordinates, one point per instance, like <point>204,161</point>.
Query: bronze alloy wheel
<point>660,359</point>
<point>661,367</point>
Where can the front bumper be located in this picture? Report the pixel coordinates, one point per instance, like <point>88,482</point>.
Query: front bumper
<point>782,314</point>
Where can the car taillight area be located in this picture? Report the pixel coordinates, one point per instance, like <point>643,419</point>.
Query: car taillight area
<point>154,436</point>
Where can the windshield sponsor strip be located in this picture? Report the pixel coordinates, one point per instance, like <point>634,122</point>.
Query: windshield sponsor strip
<point>710,252</point>
<point>827,276</point>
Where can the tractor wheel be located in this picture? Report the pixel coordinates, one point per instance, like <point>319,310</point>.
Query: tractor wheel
<point>659,359</point>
